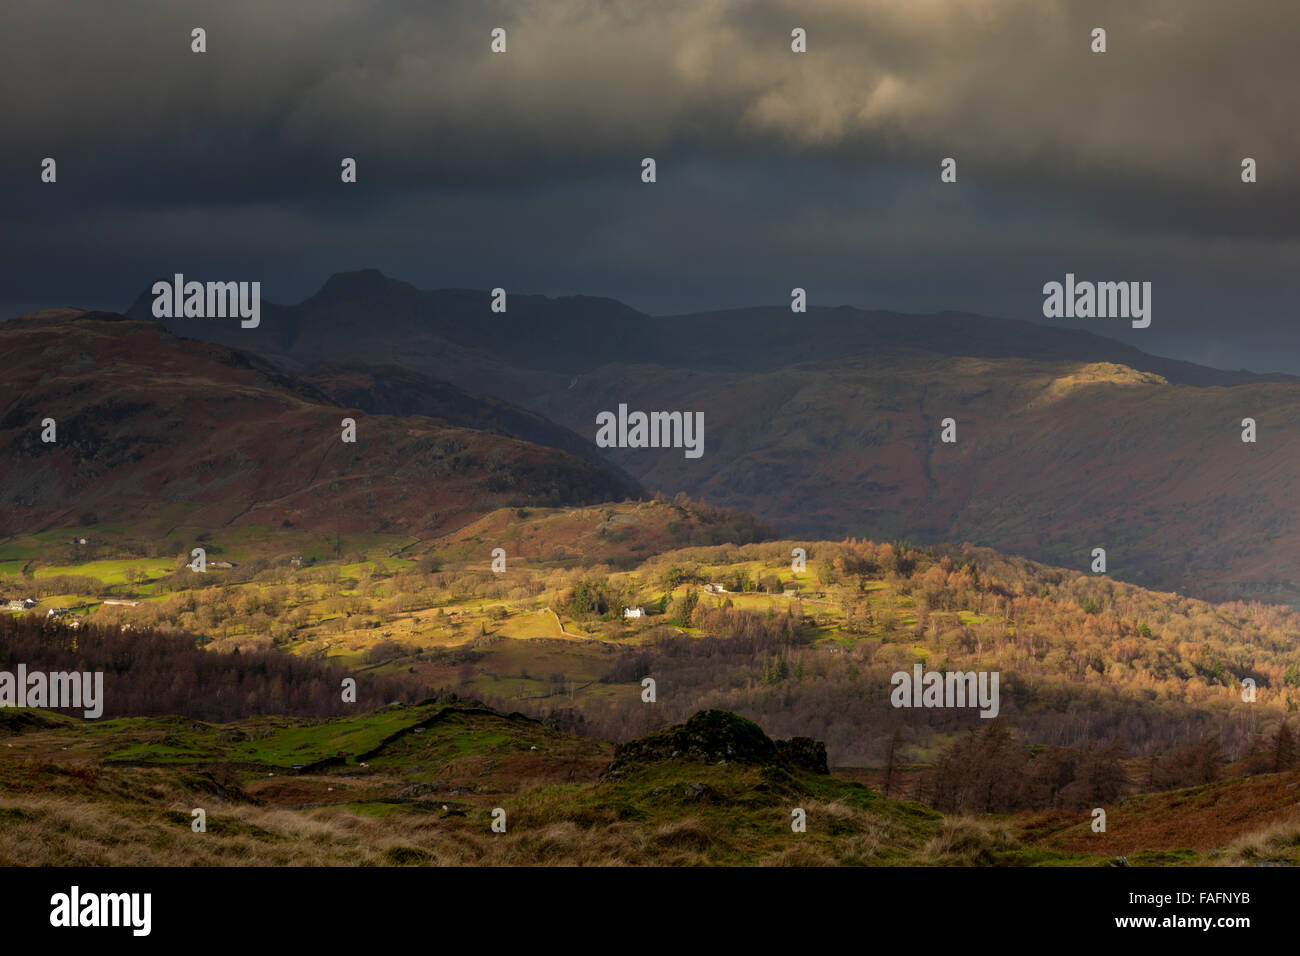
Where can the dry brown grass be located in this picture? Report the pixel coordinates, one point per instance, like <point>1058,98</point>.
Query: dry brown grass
<point>58,831</point>
<point>1277,843</point>
<point>967,841</point>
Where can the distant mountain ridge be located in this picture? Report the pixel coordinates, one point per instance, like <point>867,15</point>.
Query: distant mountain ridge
<point>575,334</point>
<point>828,424</point>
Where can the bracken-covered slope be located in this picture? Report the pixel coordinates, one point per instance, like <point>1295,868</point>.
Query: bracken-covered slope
<point>146,422</point>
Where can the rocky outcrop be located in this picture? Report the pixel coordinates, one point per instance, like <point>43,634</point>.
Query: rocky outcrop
<point>718,736</point>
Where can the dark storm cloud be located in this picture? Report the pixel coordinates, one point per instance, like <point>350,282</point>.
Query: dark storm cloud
<point>775,169</point>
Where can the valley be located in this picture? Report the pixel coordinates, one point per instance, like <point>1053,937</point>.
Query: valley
<point>514,612</point>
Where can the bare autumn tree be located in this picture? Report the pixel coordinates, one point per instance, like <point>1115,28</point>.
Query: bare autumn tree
<point>1283,748</point>
<point>980,773</point>
<point>1200,763</point>
<point>891,757</point>
<point>1099,776</point>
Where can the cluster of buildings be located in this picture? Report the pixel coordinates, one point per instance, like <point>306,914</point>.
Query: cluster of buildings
<point>54,613</point>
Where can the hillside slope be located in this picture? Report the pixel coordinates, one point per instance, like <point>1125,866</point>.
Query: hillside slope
<point>418,785</point>
<point>150,424</point>
<point>399,391</point>
<point>828,423</point>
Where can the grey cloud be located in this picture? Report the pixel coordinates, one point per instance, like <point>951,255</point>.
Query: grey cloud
<point>478,169</point>
<point>1186,89</point>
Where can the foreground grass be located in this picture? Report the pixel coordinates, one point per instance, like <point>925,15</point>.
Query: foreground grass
<point>421,784</point>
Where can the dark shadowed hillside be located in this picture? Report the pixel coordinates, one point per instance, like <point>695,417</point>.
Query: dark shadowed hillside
<point>400,391</point>
<point>148,425</point>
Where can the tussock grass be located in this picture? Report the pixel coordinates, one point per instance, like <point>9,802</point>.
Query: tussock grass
<point>968,841</point>
<point>1277,843</point>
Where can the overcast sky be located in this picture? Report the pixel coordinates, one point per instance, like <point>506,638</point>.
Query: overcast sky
<point>775,169</point>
